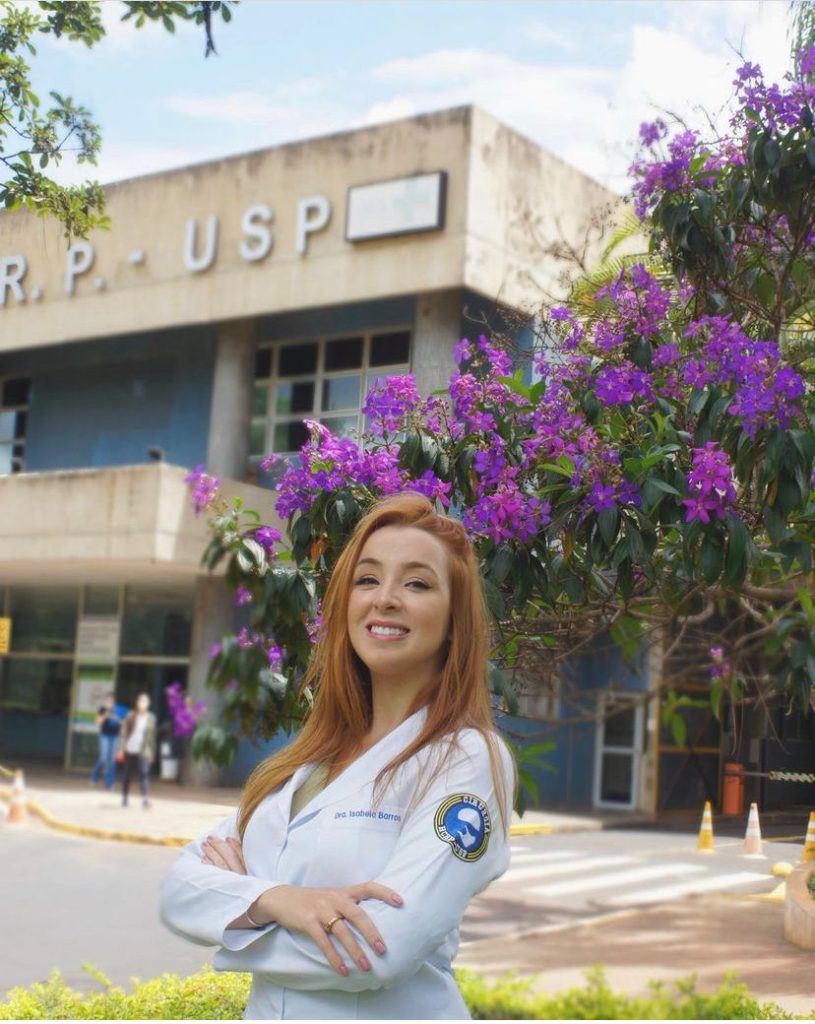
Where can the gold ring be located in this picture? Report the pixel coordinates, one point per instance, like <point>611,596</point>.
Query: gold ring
<point>328,926</point>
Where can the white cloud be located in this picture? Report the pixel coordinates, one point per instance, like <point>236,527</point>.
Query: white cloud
<point>389,110</point>
<point>242,107</point>
<point>546,36</point>
<point>589,115</point>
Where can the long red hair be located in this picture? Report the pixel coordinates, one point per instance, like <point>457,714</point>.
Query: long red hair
<point>342,712</point>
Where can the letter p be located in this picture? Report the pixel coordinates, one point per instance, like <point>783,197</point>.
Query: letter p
<point>79,260</point>
<point>313,213</point>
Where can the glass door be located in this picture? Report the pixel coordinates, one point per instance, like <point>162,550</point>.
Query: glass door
<point>618,751</point>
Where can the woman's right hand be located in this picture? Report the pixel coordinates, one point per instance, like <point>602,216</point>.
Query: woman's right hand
<point>302,909</point>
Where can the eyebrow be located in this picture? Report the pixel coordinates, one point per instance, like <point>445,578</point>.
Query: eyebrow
<point>406,565</point>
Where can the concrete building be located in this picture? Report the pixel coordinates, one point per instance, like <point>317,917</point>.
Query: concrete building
<point>229,301</point>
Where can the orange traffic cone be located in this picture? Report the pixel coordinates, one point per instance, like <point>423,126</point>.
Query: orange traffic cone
<point>705,841</point>
<point>809,842</point>
<point>752,837</point>
<point>17,808</point>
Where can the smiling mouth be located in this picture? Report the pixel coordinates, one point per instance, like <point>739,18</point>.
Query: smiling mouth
<point>387,631</point>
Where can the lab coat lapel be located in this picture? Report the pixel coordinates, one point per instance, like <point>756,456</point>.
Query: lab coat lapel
<point>365,768</point>
<point>283,803</point>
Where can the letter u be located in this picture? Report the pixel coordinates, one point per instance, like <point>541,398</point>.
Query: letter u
<point>194,261</point>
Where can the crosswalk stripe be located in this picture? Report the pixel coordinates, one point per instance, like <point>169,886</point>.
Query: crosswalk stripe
<point>668,892</point>
<point>523,859</point>
<point>575,865</point>
<point>613,879</point>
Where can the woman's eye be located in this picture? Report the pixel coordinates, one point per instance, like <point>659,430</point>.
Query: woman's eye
<point>420,584</point>
<point>364,581</point>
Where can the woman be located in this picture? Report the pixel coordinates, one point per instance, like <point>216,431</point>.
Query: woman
<point>109,725</point>
<point>341,881</point>
<point>139,747</point>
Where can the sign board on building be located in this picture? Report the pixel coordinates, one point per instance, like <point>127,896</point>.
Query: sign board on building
<point>402,206</point>
<point>95,682</point>
<point>5,635</point>
<point>98,638</point>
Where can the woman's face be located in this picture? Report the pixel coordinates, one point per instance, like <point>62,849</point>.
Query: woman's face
<point>142,703</point>
<point>399,606</point>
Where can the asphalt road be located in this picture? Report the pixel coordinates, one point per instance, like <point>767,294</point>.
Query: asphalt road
<point>566,879</point>
<point>72,901</point>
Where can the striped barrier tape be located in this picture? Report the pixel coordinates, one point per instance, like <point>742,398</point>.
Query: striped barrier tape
<point>791,776</point>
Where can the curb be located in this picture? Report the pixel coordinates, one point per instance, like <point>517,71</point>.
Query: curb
<point>531,830</point>
<point>89,832</point>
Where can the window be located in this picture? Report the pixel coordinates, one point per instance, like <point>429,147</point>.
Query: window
<point>157,623</point>
<point>43,619</point>
<point>325,379</point>
<point>13,423</point>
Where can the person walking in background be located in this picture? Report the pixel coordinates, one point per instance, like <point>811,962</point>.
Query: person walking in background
<point>109,725</point>
<point>139,747</point>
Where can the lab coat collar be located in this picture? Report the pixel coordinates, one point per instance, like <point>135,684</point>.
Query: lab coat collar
<point>366,767</point>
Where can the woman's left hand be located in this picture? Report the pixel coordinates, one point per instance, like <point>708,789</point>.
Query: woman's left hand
<point>224,853</point>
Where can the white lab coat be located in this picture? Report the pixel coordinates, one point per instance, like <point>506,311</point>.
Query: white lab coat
<point>341,838</point>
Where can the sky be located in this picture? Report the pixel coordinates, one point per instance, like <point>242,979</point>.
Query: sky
<point>577,76</point>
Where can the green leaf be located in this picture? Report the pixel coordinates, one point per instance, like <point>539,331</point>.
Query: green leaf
<point>663,485</point>
<point>735,565</point>
<point>501,563</point>
<point>679,729</point>
<point>608,521</point>
<point>712,559</point>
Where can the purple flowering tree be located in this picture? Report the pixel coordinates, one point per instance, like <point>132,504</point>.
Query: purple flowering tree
<point>646,474</point>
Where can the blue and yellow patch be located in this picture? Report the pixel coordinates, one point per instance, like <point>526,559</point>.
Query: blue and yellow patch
<point>463,821</point>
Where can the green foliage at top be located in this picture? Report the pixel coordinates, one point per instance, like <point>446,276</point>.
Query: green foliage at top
<point>208,995</point>
<point>33,137</point>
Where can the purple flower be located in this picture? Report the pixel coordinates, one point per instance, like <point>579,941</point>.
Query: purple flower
<point>602,497</point>
<point>214,651</point>
<point>184,715</point>
<point>243,595</point>
<point>710,485</point>
<point>269,462</point>
<point>431,487</point>
<point>623,385</point>
<point>652,131</point>
<point>268,536</point>
<point>388,405</point>
<point>507,512</point>
<point>204,488</point>
<point>721,667</point>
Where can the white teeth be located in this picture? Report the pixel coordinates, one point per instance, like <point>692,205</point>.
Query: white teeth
<point>387,631</point>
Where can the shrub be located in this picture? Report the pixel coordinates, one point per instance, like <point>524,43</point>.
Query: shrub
<point>209,995</point>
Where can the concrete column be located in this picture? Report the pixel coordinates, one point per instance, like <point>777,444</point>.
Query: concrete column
<point>213,616</point>
<point>436,331</point>
<point>231,406</point>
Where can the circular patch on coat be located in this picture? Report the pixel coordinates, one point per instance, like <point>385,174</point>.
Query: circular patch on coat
<point>463,821</point>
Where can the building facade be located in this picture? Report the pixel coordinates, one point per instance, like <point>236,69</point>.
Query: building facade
<point>229,301</point>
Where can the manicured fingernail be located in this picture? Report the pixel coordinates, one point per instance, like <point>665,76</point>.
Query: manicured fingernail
<point>379,946</point>
<point>397,900</point>
<point>344,970</point>
<point>364,963</point>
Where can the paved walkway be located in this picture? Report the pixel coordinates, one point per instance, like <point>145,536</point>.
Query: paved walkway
<point>181,812</point>
<point>709,938</point>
